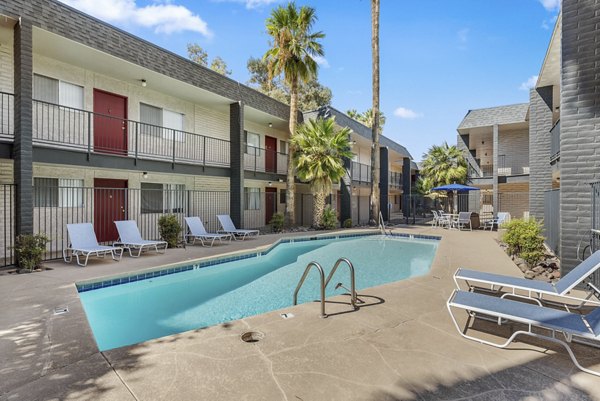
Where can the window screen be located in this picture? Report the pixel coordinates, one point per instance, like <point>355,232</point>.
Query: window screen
<point>70,192</point>
<point>45,192</point>
<point>173,121</point>
<point>45,89</point>
<point>152,120</point>
<point>252,201</point>
<point>151,198</point>
<point>252,143</point>
<point>70,95</point>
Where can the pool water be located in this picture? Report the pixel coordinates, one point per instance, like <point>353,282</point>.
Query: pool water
<point>138,311</point>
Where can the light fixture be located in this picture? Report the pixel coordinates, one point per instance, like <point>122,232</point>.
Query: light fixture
<point>270,125</point>
<point>145,175</point>
<point>281,180</point>
<point>483,142</point>
<point>270,184</point>
<point>144,83</point>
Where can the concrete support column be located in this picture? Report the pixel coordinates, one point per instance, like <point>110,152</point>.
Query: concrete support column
<point>406,189</point>
<point>495,171</point>
<point>384,185</point>
<point>346,193</point>
<point>237,144</point>
<point>540,172</point>
<point>23,148</point>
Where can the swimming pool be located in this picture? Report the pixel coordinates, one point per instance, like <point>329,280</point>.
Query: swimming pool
<point>126,313</point>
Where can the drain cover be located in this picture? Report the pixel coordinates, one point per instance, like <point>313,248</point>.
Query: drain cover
<point>252,336</point>
<point>60,310</point>
<point>286,315</point>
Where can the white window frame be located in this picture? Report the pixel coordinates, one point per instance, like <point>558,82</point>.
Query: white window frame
<point>167,122</point>
<point>252,149</point>
<point>62,87</point>
<point>252,198</point>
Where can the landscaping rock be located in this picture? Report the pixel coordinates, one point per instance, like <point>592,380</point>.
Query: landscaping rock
<point>556,274</point>
<point>538,269</point>
<point>529,274</point>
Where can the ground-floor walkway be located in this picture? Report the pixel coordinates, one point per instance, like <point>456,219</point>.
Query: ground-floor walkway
<point>401,345</point>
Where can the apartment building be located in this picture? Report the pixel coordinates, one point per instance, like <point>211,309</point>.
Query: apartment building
<point>99,125</point>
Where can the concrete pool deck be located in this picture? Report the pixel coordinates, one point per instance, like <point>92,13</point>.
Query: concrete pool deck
<point>401,345</point>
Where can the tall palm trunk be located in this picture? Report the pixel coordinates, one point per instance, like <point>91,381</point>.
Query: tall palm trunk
<point>319,207</point>
<point>290,212</point>
<point>374,199</point>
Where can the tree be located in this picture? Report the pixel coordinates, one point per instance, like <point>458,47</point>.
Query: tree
<point>292,54</point>
<point>366,117</point>
<point>319,158</point>
<point>442,165</point>
<point>197,54</point>
<point>219,65</point>
<point>311,95</point>
<point>374,198</point>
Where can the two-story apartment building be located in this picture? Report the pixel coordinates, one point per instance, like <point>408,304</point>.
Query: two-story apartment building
<point>99,125</point>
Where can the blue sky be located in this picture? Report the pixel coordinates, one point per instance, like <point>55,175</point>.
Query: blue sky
<point>439,58</point>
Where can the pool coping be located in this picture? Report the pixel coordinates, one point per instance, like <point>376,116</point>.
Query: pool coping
<point>179,267</point>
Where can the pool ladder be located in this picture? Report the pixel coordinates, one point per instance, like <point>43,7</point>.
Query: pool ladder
<point>324,282</point>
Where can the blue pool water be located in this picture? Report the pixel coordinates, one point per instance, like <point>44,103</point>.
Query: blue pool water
<point>138,311</point>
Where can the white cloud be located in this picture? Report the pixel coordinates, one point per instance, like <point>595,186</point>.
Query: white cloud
<point>162,16</point>
<point>530,83</point>
<point>549,23</point>
<point>322,61</point>
<point>403,112</point>
<point>250,4</point>
<point>550,5</point>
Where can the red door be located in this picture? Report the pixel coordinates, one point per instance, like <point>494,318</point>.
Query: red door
<point>271,154</point>
<point>110,205</point>
<point>270,203</point>
<point>110,124</point>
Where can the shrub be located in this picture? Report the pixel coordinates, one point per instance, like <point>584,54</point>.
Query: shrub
<point>348,223</point>
<point>169,229</point>
<point>329,220</point>
<point>29,250</point>
<point>524,239</point>
<point>277,222</point>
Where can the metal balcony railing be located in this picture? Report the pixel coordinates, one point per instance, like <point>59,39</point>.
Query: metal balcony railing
<point>395,180</point>
<point>555,142</point>
<point>7,102</point>
<point>265,160</point>
<point>360,172</point>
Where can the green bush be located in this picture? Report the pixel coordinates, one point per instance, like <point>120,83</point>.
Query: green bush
<point>29,250</point>
<point>329,220</point>
<point>169,229</point>
<point>348,223</point>
<point>277,222</point>
<point>524,239</point>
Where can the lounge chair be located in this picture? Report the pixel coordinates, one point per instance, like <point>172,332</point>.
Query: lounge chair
<point>197,231</point>
<point>130,238</point>
<point>556,321</point>
<point>229,228</point>
<point>536,290</point>
<point>464,219</point>
<point>497,221</point>
<point>83,242</point>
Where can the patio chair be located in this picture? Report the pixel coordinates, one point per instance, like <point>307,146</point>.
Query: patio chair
<point>436,218</point>
<point>83,242</point>
<point>553,320</point>
<point>229,228</point>
<point>464,219</point>
<point>130,238</point>
<point>197,231</point>
<point>445,220</point>
<point>497,221</point>
<point>536,290</point>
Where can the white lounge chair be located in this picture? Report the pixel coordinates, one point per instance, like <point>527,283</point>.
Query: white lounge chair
<point>83,242</point>
<point>130,238</point>
<point>197,231</point>
<point>556,321</point>
<point>536,290</point>
<point>501,218</point>
<point>229,228</point>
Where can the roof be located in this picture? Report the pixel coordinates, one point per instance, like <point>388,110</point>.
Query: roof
<point>344,120</point>
<point>511,114</point>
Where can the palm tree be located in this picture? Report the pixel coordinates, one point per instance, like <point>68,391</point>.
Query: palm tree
<point>443,165</point>
<point>374,199</point>
<point>366,117</point>
<point>293,53</point>
<point>319,158</point>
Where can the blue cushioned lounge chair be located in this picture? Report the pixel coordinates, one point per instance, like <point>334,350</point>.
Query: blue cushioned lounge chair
<point>197,231</point>
<point>532,289</point>
<point>130,238</point>
<point>83,242</point>
<point>229,228</point>
<point>557,322</point>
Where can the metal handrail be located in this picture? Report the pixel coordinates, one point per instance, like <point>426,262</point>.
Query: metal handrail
<point>353,296</point>
<point>322,274</point>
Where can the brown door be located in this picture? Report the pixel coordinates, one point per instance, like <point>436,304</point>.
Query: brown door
<point>110,124</point>
<point>110,205</point>
<point>270,154</point>
<point>270,203</point>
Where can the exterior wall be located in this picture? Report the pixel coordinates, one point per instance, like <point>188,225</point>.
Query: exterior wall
<point>6,171</point>
<point>514,198</point>
<point>6,60</point>
<point>580,122</point>
<point>514,145</point>
<point>540,172</point>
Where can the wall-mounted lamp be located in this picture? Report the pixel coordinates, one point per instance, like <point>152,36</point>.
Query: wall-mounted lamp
<point>144,83</point>
<point>145,175</point>
<point>270,125</point>
<point>270,184</point>
<point>483,142</point>
<point>281,180</point>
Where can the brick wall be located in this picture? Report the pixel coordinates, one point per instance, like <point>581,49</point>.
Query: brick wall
<point>514,145</point>
<point>580,121</point>
<point>540,172</point>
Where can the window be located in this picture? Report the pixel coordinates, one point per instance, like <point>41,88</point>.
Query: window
<point>283,147</point>
<point>282,196</point>
<point>57,92</point>
<point>155,120</point>
<point>252,143</point>
<point>162,198</point>
<point>57,192</point>
<point>252,198</point>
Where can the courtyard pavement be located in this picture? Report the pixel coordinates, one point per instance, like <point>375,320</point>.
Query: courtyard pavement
<point>400,345</point>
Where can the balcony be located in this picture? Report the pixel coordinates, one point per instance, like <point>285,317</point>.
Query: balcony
<point>6,116</point>
<point>555,143</point>
<point>261,160</point>
<point>508,166</point>
<point>395,180</point>
<point>360,173</point>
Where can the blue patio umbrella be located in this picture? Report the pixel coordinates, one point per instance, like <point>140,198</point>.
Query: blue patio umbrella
<point>455,188</point>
